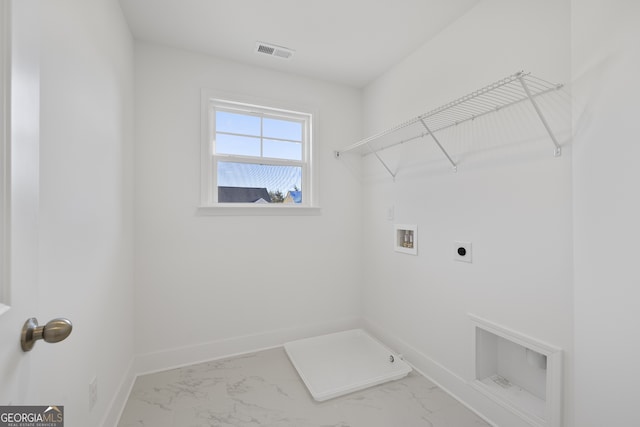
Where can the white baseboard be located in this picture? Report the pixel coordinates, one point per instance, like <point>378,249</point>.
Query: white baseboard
<point>184,356</point>
<point>456,386</point>
<point>119,400</point>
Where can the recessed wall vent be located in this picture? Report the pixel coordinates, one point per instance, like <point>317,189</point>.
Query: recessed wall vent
<point>273,50</point>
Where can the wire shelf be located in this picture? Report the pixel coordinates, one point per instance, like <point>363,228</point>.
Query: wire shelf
<point>517,88</point>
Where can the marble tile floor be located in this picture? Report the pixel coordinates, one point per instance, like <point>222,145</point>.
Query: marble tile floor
<point>264,389</point>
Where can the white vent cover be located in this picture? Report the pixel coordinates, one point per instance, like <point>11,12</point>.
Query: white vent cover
<point>273,50</point>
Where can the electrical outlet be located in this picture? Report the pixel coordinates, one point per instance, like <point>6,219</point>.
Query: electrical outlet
<point>93,392</point>
<point>462,251</point>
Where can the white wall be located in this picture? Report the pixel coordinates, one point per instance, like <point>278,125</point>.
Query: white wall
<point>85,231</point>
<point>606,63</point>
<point>513,202</point>
<point>205,279</point>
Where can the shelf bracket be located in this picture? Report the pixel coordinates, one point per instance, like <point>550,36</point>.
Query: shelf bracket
<point>558,149</point>
<point>455,167</point>
<point>393,175</point>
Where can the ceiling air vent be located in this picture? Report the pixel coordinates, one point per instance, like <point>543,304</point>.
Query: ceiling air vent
<point>273,50</point>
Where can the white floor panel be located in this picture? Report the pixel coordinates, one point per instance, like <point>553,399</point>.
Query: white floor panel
<point>340,363</point>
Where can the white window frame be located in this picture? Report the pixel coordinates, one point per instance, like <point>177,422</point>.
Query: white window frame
<point>211,101</point>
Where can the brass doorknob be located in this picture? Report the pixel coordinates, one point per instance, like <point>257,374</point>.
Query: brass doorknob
<point>54,331</point>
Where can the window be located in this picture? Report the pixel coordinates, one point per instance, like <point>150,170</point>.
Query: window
<point>255,156</point>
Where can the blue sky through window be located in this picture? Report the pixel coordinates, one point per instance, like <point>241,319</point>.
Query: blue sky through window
<point>248,135</point>
<point>282,129</point>
<point>237,123</point>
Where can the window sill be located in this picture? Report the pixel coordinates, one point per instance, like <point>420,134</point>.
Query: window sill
<point>252,210</point>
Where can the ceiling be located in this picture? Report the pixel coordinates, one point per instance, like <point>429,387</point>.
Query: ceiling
<point>345,41</point>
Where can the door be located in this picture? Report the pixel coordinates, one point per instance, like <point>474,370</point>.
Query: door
<point>19,293</point>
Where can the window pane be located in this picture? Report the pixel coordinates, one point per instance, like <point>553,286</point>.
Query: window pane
<point>282,150</point>
<point>283,129</point>
<point>237,123</point>
<point>255,183</point>
<point>239,145</point>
